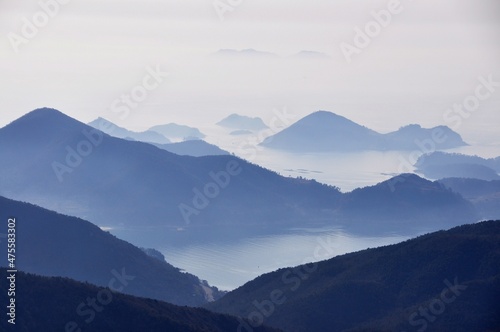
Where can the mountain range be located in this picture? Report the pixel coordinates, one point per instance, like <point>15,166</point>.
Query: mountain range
<point>116,131</point>
<point>443,281</point>
<point>145,194</point>
<point>150,197</point>
<point>192,144</point>
<point>324,131</point>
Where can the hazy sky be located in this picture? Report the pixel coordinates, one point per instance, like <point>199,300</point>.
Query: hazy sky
<point>90,53</point>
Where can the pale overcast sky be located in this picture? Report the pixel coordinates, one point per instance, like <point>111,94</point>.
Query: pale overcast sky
<point>92,52</point>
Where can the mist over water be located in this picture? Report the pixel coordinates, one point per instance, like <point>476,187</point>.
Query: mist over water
<point>347,171</point>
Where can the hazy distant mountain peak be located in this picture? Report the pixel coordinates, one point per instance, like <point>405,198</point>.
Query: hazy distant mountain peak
<point>114,130</point>
<point>41,122</point>
<point>324,131</point>
<point>412,126</point>
<point>405,180</point>
<point>242,122</point>
<point>176,131</point>
<point>44,113</point>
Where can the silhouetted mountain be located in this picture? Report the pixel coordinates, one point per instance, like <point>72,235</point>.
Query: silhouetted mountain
<point>405,203</point>
<point>440,165</point>
<point>485,195</point>
<point>242,122</point>
<point>444,281</point>
<point>62,304</point>
<point>52,244</point>
<point>178,132</point>
<point>194,148</point>
<point>149,196</point>
<point>113,130</point>
<point>324,131</point>
<point>328,132</point>
<point>414,137</point>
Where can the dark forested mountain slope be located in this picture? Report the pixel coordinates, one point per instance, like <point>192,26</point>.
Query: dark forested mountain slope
<point>405,203</point>
<point>52,244</point>
<point>62,304</point>
<point>444,281</point>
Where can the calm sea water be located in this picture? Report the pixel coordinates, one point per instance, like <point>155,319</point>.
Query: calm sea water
<point>232,264</point>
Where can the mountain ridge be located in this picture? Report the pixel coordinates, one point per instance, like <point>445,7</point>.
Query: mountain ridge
<point>63,304</point>
<point>57,245</point>
<point>324,131</point>
<point>383,289</point>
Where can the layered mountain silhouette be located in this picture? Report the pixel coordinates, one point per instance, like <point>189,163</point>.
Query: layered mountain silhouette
<point>194,148</point>
<point>150,197</point>
<point>116,131</point>
<point>178,132</point>
<point>405,203</point>
<point>324,131</point>
<point>52,244</point>
<point>191,144</point>
<point>444,281</point>
<point>62,304</point>
<point>438,165</point>
<point>242,122</point>
<point>485,195</point>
